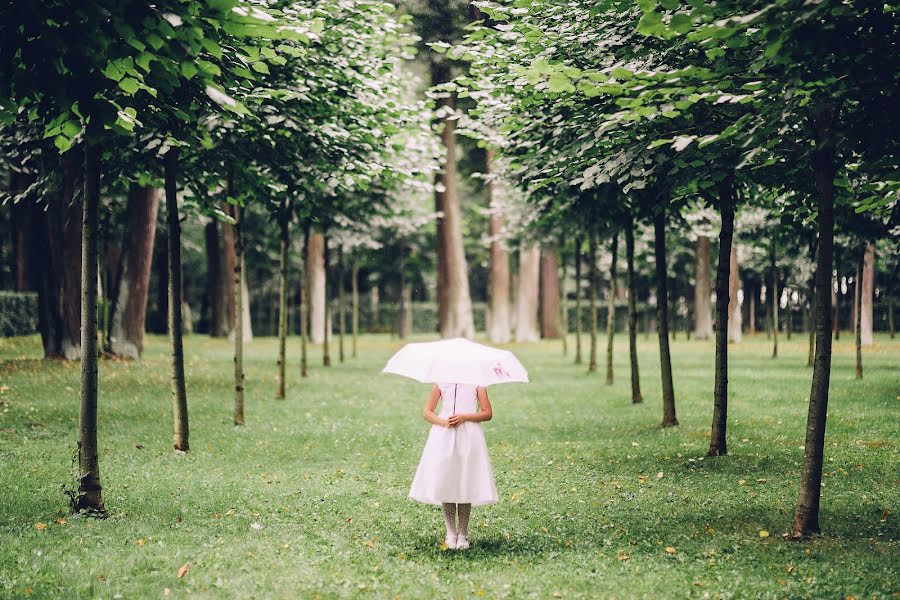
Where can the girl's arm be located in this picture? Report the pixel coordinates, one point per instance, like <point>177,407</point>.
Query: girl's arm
<point>484,413</point>
<point>430,405</point>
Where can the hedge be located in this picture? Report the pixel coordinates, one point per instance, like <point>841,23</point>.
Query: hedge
<point>18,313</point>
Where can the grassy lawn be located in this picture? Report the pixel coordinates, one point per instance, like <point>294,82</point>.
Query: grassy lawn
<point>309,499</point>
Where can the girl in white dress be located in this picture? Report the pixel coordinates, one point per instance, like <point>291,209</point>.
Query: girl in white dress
<point>455,471</point>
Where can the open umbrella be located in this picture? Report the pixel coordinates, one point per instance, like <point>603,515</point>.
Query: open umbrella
<point>457,361</point>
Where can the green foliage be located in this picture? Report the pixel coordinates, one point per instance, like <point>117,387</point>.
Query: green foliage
<point>18,313</point>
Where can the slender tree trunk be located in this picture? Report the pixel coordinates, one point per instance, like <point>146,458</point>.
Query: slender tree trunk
<point>578,244</point>
<point>238,322</point>
<point>702,312</point>
<point>499,327</point>
<point>776,298</point>
<point>354,301</point>
<point>45,278</point>
<point>662,316</point>
<point>592,299</point>
<point>19,218</point>
<point>718,445</point>
<point>342,309</point>
<point>806,515</point>
<point>527,296</point>
<point>611,310</point>
<point>180,437</point>
<point>247,325</point>
<point>315,286</point>
<point>789,316</point>
<point>811,319</point>
<point>456,303</point>
<point>734,324</point>
<point>89,495</point>
<point>636,397</point>
<point>563,304</point>
<point>868,294</point>
<point>753,290</point>
<point>549,284</point>
<point>284,223</point>
<point>129,298</point>
<point>72,269</point>
<point>858,329</point>
<point>404,316</point>
<point>216,274</point>
<point>326,316</point>
<point>228,267</point>
<point>304,302</point>
<point>836,307</point>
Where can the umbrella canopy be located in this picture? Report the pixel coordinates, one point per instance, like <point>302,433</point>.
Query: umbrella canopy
<point>456,361</point>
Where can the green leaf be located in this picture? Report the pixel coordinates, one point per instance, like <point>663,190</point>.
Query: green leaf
<point>188,70</point>
<point>130,85</point>
<point>260,67</point>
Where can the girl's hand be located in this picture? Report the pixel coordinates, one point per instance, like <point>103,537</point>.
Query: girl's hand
<point>456,420</point>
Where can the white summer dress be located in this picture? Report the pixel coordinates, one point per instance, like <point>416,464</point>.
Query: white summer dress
<point>455,466</point>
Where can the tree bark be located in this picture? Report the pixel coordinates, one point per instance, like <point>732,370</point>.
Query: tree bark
<point>836,307</point>
<point>611,310</point>
<point>238,322</point>
<point>549,290</point>
<point>129,298</point>
<point>19,217</point>
<point>702,312</point>
<point>578,245</point>
<point>776,297</point>
<point>806,514</point>
<point>527,295</point>
<point>72,271</point>
<point>45,280</point>
<point>753,290</point>
<point>228,267</point>
<point>454,299</point>
<point>860,267</point>
<point>354,301</point>
<point>810,358</point>
<point>563,304</point>
<point>315,286</point>
<point>718,445</point>
<point>592,299</point>
<point>404,316</point>
<point>304,302</point>
<point>734,303</point>
<point>342,313</point>
<point>89,495</point>
<point>284,223</point>
<point>247,322</point>
<point>498,329</point>
<point>216,287</point>
<point>180,437</point>
<point>868,294</point>
<point>636,397</point>
<point>662,316</point>
<point>326,304</point>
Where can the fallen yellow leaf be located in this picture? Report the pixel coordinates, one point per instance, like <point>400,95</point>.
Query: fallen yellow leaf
<point>763,533</point>
<point>622,557</point>
<point>40,526</point>
<point>444,546</point>
<point>141,542</point>
<point>61,521</point>
<point>182,571</point>
<point>670,550</point>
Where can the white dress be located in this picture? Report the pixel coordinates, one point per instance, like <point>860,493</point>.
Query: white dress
<point>455,466</point>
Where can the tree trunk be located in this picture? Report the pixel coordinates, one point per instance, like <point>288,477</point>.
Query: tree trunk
<point>776,298</point>
<point>868,292</point>
<point>549,289</point>
<point>636,397</point>
<point>247,325</point>
<point>228,268</point>
<point>89,495</point>
<point>315,286</point>
<point>718,445</point>
<point>304,302</point>
<point>563,304</point>
<point>734,303</point>
<point>527,295</point>
<point>592,299</point>
<point>611,310</point>
<point>45,279</point>
<point>836,307</point>
<point>811,318</point>
<point>806,515</point>
<point>578,244</point>
<point>662,316</point>
<point>129,298</point>
<point>404,316</point>
<point>174,314</point>
<point>498,297</point>
<point>238,322</point>
<point>354,301</point>
<point>454,299</point>
<point>702,312</point>
<point>860,267</point>
<point>753,290</point>
<point>789,316</point>
<point>216,286</point>
<point>342,313</point>
<point>19,217</point>
<point>284,223</point>
<point>70,211</point>
<point>326,304</point>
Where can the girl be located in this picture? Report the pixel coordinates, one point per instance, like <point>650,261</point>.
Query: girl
<point>455,470</point>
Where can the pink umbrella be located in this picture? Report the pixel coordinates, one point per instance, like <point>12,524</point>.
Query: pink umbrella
<point>457,361</point>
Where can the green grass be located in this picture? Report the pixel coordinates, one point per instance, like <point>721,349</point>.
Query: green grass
<point>310,497</point>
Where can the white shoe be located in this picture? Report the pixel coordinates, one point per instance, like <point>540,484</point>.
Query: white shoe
<point>451,542</point>
<point>462,542</point>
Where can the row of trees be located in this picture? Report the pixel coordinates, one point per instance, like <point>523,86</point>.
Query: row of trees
<point>616,114</point>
